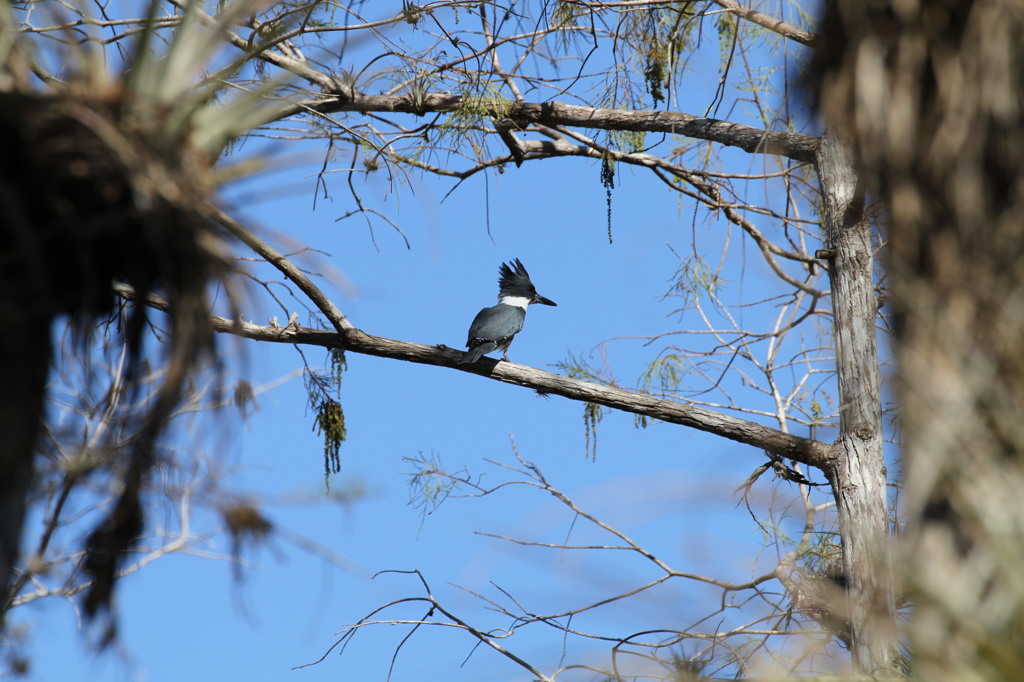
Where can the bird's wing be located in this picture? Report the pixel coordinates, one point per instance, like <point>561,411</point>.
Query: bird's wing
<point>496,323</point>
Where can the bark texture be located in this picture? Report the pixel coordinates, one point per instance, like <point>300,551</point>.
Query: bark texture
<point>858,474</point>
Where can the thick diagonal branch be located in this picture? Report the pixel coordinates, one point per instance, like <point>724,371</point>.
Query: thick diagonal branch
<point>754,140</point>
<point>804,450</point>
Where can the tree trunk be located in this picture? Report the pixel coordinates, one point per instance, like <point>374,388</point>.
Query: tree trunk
<point>930,93</point>
<point>857,472</point>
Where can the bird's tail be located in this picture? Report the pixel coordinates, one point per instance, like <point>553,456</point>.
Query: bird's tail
<point>477,352</point>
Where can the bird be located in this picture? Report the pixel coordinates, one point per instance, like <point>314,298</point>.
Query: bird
<point>494,328</point>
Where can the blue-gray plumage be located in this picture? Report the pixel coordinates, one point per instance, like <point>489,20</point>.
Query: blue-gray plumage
<point>494,328</point>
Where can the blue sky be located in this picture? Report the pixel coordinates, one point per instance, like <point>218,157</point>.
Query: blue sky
<point>670,488</point>
<point>665,485</point>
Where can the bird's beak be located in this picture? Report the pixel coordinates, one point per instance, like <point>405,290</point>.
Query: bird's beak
<point>546,301</point>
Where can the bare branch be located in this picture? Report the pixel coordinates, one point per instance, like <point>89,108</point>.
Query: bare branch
<point>334,315</point>
<point>771,23</point>
<point>791,145</point>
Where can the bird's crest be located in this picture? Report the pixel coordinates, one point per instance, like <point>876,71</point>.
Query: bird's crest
<point>513,278</point>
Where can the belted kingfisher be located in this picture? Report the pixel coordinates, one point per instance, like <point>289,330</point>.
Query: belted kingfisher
<point>494,328</point>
